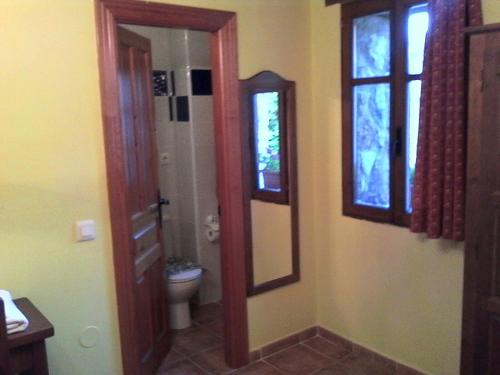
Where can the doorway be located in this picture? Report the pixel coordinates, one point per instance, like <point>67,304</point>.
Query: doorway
<point>222,27</point>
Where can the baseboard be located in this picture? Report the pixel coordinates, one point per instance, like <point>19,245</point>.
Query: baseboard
<point>348,347</point>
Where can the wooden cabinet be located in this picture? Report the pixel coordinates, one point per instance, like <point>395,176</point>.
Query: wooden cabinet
<point>481,309</point>
<point>24,352</point>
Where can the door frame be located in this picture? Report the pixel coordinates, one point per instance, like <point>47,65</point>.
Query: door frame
<point>222,26</point>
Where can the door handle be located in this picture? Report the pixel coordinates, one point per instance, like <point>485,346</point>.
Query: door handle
<point>161,202</point>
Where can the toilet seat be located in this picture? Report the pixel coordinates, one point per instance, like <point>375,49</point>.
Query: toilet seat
<point>184,276</point>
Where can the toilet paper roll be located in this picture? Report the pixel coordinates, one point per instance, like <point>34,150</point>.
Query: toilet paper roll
<point>211,234</point>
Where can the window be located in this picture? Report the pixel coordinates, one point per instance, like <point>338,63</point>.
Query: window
<point>383,50</point>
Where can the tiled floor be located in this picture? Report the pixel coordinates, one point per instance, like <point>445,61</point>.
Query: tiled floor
<point>199,351</point>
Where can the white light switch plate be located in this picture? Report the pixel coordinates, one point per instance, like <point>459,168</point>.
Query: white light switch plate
<point>85,230</point>
<point>164,158</point>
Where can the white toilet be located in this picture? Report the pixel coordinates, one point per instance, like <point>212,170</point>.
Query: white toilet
<point>181,286</point>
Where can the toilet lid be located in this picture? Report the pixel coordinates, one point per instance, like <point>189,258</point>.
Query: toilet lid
<point>185,275</point>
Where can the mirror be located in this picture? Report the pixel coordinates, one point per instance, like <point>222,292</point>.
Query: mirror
<point>271,196</point>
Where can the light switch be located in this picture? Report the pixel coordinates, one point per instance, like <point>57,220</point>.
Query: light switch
<point>85,230</point>
<point>164,158</point>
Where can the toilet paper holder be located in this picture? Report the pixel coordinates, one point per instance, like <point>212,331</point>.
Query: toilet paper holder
<point>212,228</point>
<point>212,222</point>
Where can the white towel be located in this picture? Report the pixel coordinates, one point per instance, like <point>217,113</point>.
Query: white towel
<point>14,318</point>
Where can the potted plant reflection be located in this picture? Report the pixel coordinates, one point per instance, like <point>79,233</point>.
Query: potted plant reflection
<point>267,135</point>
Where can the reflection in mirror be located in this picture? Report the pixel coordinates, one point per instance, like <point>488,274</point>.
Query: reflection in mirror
<point>271,204</point>
<point>272,241</point>
<point>269,168</point>
<point>266,126</point>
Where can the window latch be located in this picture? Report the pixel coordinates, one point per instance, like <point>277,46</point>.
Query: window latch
<point>397,144</point>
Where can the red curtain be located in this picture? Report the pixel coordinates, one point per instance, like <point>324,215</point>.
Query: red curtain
<point>439,186</point>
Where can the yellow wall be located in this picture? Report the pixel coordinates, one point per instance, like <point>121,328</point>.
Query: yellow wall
<point>491,11</point>
<point>52,174</point>
<point>52,169</point>
<point>378,285</point>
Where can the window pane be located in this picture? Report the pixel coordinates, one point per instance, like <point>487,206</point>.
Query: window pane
<point>267,140</point>
<point>412,120</point>
<point>372,46</point>
<point>371,127</point>
<point>418,24</point>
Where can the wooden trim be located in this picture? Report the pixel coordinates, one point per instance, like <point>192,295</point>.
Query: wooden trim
<point>402,79</point>
<point>346,68</point>
<point>489,28</point>
<point>247,177</point>
<point>267,286</point>
<point>263,82</point>
<point>413,77</point>
<point>293,180</point>
<point>230,191</point>
<point>156,14</point>
<point>370,80</point>
<point>335,2</point>
<point>222,25</point>
<point>398,116</point>
<point>366,7</point>
<point>410,3</point>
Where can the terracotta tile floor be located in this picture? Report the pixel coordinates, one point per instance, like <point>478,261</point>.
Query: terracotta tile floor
<point>199,351</point>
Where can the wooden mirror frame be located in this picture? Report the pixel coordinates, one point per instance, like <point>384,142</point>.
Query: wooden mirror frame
<point>268,81</point>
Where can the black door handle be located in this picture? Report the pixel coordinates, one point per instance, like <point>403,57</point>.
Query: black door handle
<point>161,202</point>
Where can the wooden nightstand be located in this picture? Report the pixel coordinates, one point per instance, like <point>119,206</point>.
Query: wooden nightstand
<point>27,352</point>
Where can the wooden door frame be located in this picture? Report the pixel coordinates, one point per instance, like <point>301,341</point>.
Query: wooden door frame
<point>222,26</point>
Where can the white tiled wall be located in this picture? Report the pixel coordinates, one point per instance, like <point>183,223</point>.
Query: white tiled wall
<point>203,151</point>
<point>206,198</point>
<point>178,48</point>
<point>199,49</point>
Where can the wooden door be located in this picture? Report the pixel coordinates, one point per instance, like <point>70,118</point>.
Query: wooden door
<point>138,134</point>
<point>481,319</point>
